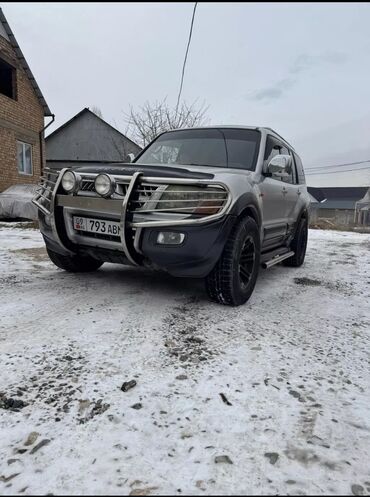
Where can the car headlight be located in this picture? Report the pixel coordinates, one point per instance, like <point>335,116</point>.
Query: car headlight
<point>192,199</point>
<point>70,182</point>
<point>105,185</point>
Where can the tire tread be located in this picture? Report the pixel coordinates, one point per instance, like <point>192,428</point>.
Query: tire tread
<point>296,260</point>
<point>219,283</point>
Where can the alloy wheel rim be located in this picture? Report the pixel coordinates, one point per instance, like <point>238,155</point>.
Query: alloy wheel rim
<point>246,262</point>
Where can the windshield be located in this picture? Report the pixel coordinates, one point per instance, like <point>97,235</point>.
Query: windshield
<point>216,147</point>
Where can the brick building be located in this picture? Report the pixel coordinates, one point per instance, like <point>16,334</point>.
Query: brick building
<point>22,113</point>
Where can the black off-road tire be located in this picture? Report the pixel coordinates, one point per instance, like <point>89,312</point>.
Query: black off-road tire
<point>228,282</point>
<point>74,263</point>
<point>298,245</point>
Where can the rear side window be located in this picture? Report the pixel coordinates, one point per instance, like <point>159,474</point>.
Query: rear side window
<point>300,171</point>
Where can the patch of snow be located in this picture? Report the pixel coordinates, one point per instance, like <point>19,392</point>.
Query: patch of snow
<point>292,364</point>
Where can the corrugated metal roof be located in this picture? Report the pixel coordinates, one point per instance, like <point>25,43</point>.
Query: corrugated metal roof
<point>316,193</point>
<point>88,137</point>
<point>23,62</point>
<point>79,114</point>
<point>338,197</point>
<point>344,193</point>
<point>313,200</point>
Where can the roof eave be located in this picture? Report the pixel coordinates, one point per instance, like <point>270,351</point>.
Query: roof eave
<point>83,111</point>
<point>24,64</point>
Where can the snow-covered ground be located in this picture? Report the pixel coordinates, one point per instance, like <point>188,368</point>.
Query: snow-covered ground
<point>269,398</point>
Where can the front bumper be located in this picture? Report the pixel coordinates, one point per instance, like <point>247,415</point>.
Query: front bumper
<point>137,245</point>
<point>197,255</point>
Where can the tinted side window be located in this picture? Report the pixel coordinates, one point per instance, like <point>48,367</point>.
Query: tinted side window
<point>300,171</point>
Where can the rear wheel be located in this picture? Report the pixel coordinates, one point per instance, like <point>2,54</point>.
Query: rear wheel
<point>74,263</point>
<point>298,245</point>
<point>232,280</point>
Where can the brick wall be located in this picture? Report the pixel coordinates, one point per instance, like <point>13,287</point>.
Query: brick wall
<point>21,119</point>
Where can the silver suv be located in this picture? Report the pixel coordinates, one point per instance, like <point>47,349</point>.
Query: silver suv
<point>213,203</point>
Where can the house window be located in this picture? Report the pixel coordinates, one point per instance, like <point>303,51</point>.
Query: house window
<point>7,80</point>
<point>24,157</point>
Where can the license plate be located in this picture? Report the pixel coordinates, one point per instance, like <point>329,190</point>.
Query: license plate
<point>96,226</point>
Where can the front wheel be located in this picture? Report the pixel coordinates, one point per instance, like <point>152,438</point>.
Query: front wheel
<point>232,280</point>
<point>74,263</point>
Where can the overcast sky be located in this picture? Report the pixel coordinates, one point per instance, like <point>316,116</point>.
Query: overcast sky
<point>302,69</point>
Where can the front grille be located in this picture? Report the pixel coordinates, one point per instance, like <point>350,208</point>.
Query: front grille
<point>87,186</point>
<point>144,193</point>
<point>180,199</point>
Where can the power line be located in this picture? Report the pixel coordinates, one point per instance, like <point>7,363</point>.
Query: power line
<point>337,165</point>
<point>338,172</point>
<point>186,56</point>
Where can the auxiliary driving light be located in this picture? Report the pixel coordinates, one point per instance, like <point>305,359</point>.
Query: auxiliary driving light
<point>70,182</point>
<point>105,185</point>
<point>170,238</point>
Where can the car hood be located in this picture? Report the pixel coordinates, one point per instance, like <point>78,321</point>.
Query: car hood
<point>146,169</point>
<point>173,171</point>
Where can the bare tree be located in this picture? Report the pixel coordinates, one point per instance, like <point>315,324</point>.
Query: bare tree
<point>97,111</point>
<point>148,121</point>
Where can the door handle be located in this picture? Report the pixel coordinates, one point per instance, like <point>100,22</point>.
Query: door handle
<point>299,192</point>
<point>285,191</point>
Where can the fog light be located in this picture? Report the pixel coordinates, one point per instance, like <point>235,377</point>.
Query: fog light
<point>70,182</point>
<point>105,185</point>
<point>170,238</point>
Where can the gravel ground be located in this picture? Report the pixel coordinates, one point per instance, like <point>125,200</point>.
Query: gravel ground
<point>126,381</point>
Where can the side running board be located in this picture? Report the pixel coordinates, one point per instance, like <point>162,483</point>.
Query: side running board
<point>276,259</point>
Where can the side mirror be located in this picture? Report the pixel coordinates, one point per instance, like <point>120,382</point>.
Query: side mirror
<point>129,158</point>
<point>280,165</point>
